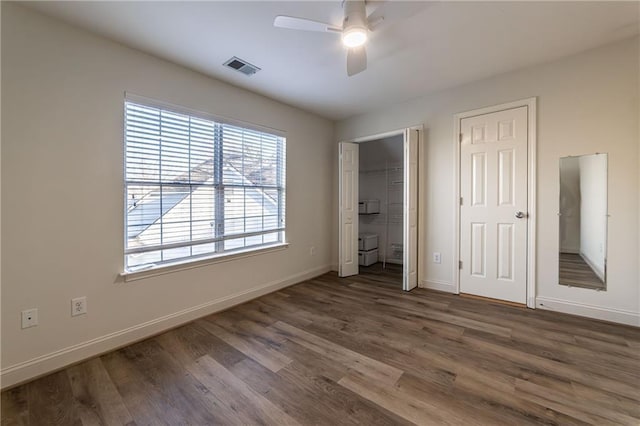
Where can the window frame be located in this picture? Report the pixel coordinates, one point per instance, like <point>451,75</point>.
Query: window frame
<point>219,255</point>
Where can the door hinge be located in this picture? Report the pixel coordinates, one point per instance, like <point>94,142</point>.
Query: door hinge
<point>460,138</point>
<point>460,264</point>
<point>460,200</point>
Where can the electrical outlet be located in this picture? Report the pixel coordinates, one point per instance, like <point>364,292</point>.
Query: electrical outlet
<point>78,306</point>
<point>30,318</point>
<point>437,258</point>
<point>312,251</point>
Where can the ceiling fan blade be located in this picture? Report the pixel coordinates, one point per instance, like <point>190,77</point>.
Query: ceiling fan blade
<point>293,23</point>
<point>372,7</point>
<point>373,24</point>
<point>356,60</point>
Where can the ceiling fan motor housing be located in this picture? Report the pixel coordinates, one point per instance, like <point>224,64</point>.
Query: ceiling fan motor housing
<point>354,26</point>
<point>355,15</point>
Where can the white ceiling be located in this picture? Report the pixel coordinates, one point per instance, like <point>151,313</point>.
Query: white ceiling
<point>421,47</point>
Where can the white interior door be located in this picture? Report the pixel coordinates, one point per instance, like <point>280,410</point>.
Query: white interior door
<point>348,232</point>
<point>410,227</point>
<point>493,211</point>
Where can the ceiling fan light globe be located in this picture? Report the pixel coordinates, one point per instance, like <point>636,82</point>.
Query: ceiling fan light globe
<point>354,37</point>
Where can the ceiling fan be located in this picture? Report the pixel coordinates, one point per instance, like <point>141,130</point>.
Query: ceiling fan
<point>354,30</point>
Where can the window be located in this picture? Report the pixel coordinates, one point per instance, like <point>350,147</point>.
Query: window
<point>196,187</point>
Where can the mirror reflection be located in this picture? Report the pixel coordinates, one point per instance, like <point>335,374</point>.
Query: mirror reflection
<point>583,221</point>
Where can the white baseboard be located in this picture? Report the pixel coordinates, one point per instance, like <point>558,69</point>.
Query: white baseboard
<point>438,285</point>
<point>591,311</point>
<point>45,364</point>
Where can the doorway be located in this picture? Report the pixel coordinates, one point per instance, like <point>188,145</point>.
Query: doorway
<point>495,223</point>
<point>378,207</point>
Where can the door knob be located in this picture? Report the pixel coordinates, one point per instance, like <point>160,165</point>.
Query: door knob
<point>519,215</point>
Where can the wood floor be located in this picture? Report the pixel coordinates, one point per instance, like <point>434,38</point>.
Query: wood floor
<point>353,351</point>
<point>574,271</point>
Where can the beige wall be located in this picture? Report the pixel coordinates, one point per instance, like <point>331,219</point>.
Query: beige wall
<point>62,195</point>
<point>586,103</point>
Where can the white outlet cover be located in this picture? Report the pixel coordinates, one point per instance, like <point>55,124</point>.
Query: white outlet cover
<point>78,306</point>
<point>437,258</point>
<point>29,318</point>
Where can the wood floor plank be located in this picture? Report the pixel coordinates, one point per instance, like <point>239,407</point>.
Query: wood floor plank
<point>485,407</point>
<point>193,341</point>
<point>313,362</point>
<point>609,348</point>
<point>252,348</point>
<point>397,401</point>
<point>578,351</point>
<point>257,332</point>
<point>242,403</point>
<point>357,350</point>
<point>384,343</point>
<point>565,354</point>
<point>335,399</point>
<point>290,396</point>
<point>460,321</point>
<point>566,404</point>
<point>428,361</point>
<point>145,402</point>
<point>599,401</point>
<point>252,311</point>
<point>276,312</point>
<point>504,403</point>
<point>607,400</point>
<point>339,317</point>
<point>51,398</point>
<point>358,362</point>
<point>99,402</point>
<point>571,372</point>
<point>222,394</point>
<point>154,384</point>
<point>15,407</point>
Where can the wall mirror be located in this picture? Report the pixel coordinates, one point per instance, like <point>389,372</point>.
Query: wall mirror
<point>583,221</point>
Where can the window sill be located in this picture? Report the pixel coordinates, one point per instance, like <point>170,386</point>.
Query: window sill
<point>169,268</point>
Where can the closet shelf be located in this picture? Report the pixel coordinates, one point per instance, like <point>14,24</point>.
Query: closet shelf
<point>382,171</point>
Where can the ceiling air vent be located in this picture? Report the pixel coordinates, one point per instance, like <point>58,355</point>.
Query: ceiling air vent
<point>241,66</point>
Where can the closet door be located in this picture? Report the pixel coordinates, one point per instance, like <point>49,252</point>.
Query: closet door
<point>410,212</point>
<point>348,214</point>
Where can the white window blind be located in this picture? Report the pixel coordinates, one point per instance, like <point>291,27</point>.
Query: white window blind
<point>196,187</point>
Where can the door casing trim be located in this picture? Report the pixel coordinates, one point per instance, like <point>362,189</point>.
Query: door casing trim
<point>532,124</point>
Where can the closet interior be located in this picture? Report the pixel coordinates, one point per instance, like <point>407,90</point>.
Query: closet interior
<point>380,206</point>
